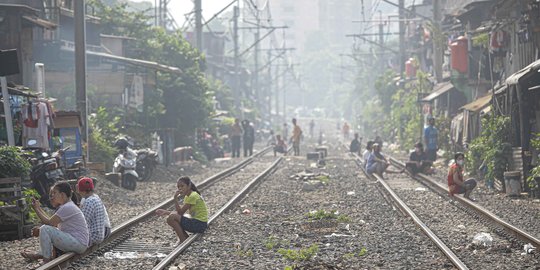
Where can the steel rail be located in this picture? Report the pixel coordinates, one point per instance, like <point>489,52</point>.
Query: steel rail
<point>406,210</point>
<point>441,189</point>
<point>65,259</point>
<point>240,195</point>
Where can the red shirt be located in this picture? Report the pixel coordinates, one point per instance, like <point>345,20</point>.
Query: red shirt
<point>451,185</point>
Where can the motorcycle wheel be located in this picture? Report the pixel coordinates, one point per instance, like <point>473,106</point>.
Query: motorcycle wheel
<point>129,182</point>
<point>147,173</point>
<point>142,171</point>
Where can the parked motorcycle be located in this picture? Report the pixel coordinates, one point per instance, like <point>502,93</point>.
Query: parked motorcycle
<point>46,171</point>
<point>147,161</point>
<point>124,172</point>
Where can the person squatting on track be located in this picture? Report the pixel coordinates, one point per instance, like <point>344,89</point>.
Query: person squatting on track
<point>295,138</point>
<point>192,202</point>
<point>456,185</point>
<point>367,152</point>
<point>65,230</point>
<point>94,211</point>
<point>418,161</point>
<point>280,146</point>
<point>356,144</point>
<point>377,162</point>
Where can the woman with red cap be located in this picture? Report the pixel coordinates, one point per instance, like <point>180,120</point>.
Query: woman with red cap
<point>94,211</point>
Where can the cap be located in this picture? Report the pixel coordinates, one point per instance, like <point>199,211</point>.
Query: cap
<point>85,184</point>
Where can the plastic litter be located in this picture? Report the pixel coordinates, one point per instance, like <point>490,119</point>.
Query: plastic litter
<point>420,189</point>
<point>338,235</point>
<point>483,239</point>
<point>132,255</point>
<point>246,211</point>
<point>350,193</point>
<point>529,248</point>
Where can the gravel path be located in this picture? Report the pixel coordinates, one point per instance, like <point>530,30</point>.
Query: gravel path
<point>457,229</point>
<point>368,235</point>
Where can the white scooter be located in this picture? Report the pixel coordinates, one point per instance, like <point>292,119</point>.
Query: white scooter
<point>124,173</point>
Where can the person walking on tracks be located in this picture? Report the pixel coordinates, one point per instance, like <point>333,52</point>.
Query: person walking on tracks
<point>249,138</point>
<point>194,203</point>
<point>295,138</point>
<point>236,137</point>
<point>65,230</point>
<point>456,185</point>
<point>94,211</point>
<point>431,139</point>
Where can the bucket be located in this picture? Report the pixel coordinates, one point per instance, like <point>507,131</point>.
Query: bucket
<point>512,181</point>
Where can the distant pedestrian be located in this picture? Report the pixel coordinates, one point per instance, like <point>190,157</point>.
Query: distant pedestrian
<point>236,137</point>
<point>346,130</point>
<point>249,138</point>
<point>285,131</point>
<point>295,138</point>
<point>431,140</point>
<point>354,147</point>
<point>65,230</point>
<point>94,211</point>
<point>311,128</point>
<point>194,203</point>
<point>456,185</point>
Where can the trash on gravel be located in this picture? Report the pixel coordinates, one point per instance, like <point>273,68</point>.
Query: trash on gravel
<point>461,226</point>
<point>482,240</point>
<point>246,211</point>
<point>420,189</point>
<point>351,193</point>
<point>339,235</point>
<point>111,255</point>
<point>529,248</point>
<point>180,266</point>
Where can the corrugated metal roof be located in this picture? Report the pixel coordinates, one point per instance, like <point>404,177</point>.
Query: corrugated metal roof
<point>516,77</point>
<point>478,104</point>
<point>137,62</point>
<point>439,89</point>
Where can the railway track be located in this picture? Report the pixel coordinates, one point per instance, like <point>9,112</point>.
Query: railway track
<point>392,197</point>
<point>511,237</point>
<point>125,239</point>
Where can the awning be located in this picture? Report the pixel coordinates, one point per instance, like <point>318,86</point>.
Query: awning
<point>137,62</point>
<point>17,92</point>
<point>478,104</point>
<point>439,89</point>
<point>40,22</point>
<point>516,77</point>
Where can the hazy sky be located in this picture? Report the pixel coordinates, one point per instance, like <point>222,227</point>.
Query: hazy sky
<point>180,7</point>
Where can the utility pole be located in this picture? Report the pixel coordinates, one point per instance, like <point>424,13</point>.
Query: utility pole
<point>269,87</point>
<point>236,90</point>
<point>198,24</point>
<point>80,68</point>
<point>255,85</point>
<point>436,39</point>
<point>381,40</point>
<point>277,92</point>
<point>401,36</point>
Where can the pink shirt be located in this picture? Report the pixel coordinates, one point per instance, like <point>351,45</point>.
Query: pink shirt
<point>73,222</point>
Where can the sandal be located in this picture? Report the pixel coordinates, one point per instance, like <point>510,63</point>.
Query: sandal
<point>31,256</point>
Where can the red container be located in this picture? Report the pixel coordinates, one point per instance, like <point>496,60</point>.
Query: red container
<point>459,55</point>
<point>410,68</point>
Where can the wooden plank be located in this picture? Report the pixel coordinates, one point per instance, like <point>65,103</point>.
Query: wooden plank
<point>11,180</point>
<point>11,189</point>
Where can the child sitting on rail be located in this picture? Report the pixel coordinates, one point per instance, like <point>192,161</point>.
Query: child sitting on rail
<point>418,162</point>
<point>192,202</point>
<point>66,229</point>
<point>94,211</point>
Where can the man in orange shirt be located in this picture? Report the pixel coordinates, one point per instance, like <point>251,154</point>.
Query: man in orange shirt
<point>297,134</point>
<point>456,185</point>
